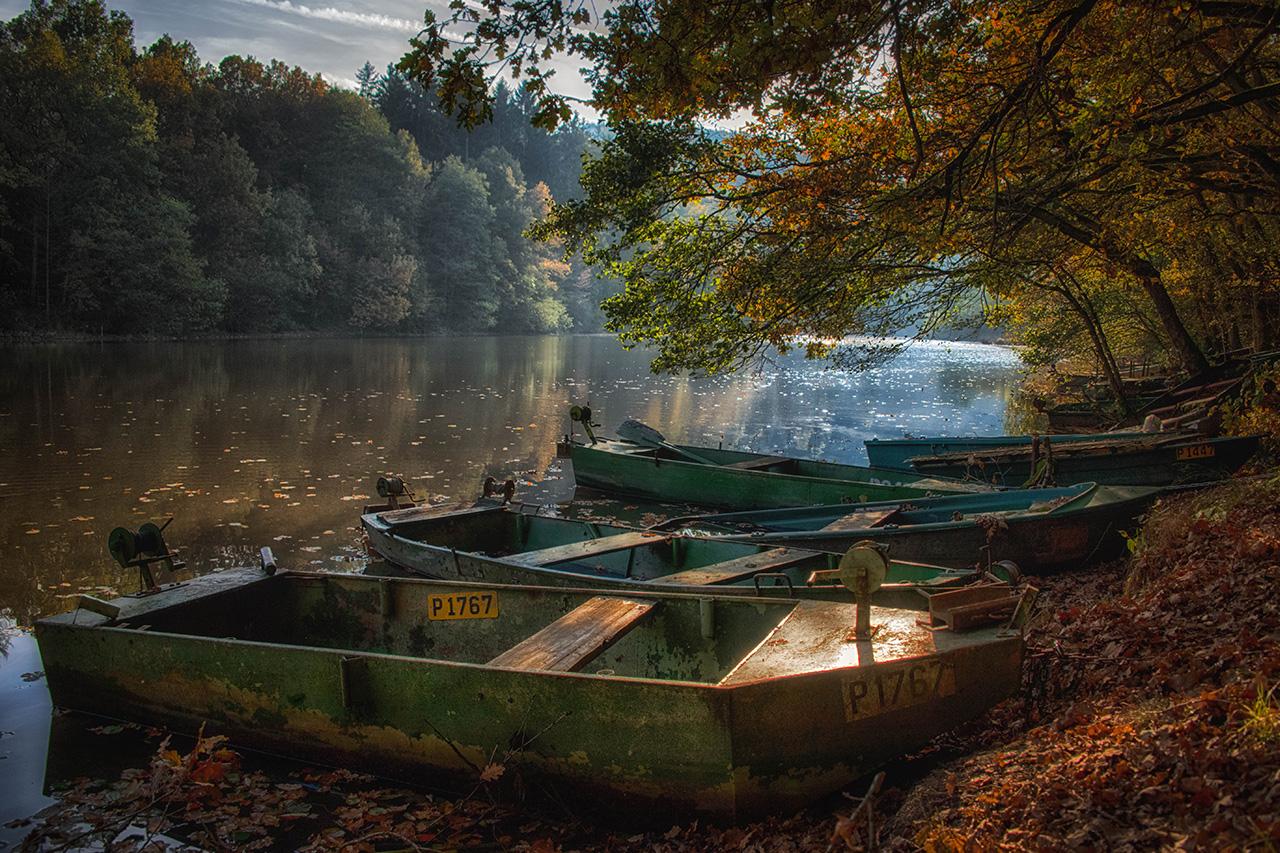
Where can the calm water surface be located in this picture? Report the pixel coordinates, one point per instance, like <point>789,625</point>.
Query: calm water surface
<point>252,443</point>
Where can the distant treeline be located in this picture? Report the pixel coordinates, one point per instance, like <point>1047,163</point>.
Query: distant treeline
<point>148,192</point>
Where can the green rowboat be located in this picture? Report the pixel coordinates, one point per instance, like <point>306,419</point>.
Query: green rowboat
<point>733,479</point>
<point>1040,530</point>
<point>518,545</point>
<point>729,707</point>
<point>897,453</point>
<point>1148,460</point>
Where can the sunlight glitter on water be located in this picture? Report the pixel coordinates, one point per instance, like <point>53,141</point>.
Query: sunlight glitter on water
<point>252,443</point>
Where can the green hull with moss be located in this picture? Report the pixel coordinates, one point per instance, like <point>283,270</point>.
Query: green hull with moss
<point>740,480</point>
<point>726,707</point>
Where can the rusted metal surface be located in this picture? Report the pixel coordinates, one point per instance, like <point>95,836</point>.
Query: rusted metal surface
<point>977,605</point>
<point>727,708</point>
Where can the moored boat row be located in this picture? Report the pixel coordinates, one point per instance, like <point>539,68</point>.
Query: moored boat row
<point>723,663</point>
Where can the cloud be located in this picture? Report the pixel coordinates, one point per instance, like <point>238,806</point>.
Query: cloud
<point>342,16</point>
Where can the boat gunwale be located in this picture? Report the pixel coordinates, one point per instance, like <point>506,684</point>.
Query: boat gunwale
<point>975,487</point>
<point>819,509</point>
<point>1083,450</point>
<point>977,639</point>
<point>655,585</point>
<point>783,536</point>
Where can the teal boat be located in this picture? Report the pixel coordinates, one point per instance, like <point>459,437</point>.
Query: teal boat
<point>660,704</point>
<point>1145,460</point>
<point>734,479</point>
<point>517,544</point>
<point>897,453</point>
<point>1041,530</point>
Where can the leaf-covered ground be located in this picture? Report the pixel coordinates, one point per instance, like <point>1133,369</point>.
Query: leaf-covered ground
<point>1149,718</point>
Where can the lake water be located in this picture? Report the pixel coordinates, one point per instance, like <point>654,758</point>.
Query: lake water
<point>278,442</point>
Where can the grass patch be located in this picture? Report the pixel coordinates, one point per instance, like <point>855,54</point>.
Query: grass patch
<point>1262,715</point>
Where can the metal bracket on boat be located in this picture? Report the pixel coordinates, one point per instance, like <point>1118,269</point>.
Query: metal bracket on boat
<point>352,673</point>
<point>862,570</point>
<point>267,561</point>
<point>507,489</point>
<point>140,550</point>
<point>777,576</point>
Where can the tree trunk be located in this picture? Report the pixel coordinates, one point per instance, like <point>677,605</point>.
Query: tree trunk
<point>1100,349</point>
<point>1188,351</point>
<point>35,256</point>
<point>47,298</point>
<point>1087,234</point>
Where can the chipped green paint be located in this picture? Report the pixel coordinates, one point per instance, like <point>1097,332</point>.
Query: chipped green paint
<point>509,545</point>
<point>659,474</point>
<point>746,721</point>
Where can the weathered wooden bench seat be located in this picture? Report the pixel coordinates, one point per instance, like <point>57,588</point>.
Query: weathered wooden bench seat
<point>735,570</point>
<point>590,548</point>
<point>569,643</point>
<point>863,520</point>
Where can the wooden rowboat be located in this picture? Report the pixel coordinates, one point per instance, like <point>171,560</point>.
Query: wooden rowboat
<point>1040,530</point>
<point>734,479</point>
<point>493,543</point>
<point>724,706</point>
<point>1150,460</point>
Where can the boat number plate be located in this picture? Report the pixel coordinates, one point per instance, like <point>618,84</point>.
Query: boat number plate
<point>889,688</point>
<point>462,605</point>
<point>1195,451</point>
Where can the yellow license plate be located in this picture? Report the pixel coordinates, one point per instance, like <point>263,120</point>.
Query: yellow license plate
<point>1196,451</point>
<point>890,688</point>
<point>462,605</point>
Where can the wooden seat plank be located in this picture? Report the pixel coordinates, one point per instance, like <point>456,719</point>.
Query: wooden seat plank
<point>570,642</point>
<point>590,548</point>
<point>753,464</point>
<point>863,520</point>
<point>737,569</point>
<point>409,515</point>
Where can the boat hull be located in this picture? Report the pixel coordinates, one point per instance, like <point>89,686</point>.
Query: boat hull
<point>669,480</point>
<point>1182,462</point>
<point>405,555</point>
<point>346,688</point>
<point>1037,545</point>
<point>898,453</point>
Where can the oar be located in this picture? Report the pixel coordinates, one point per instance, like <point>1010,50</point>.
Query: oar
<point>643,434</point>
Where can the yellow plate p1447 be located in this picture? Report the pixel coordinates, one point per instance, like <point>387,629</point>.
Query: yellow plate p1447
<point>462,605</point>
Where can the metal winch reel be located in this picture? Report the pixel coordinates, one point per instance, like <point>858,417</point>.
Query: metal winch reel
<point>862,570</point>
<point>394,490</point>
<point>142,549</point>
<point>582,415</point>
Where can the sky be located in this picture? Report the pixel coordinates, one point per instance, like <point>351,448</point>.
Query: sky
<point>333,37</point>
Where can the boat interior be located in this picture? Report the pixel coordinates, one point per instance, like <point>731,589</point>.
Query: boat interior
<point>896,513</point>
<point>526,628</point>
<point>744,461</point>
<point>599,550</point>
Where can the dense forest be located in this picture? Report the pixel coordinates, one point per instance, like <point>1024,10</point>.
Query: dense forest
<point>148,192</point>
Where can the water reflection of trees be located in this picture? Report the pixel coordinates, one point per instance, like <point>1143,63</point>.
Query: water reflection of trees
<point>251,443</point>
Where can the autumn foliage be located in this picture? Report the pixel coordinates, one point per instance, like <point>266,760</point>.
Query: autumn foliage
<point>1103,167</point>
